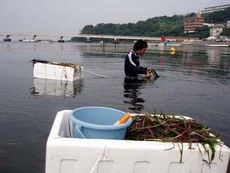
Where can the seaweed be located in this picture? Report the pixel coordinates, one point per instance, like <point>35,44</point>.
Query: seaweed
<point>171,128</point>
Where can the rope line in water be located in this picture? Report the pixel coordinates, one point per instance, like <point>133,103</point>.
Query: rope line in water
<point>96,74</point>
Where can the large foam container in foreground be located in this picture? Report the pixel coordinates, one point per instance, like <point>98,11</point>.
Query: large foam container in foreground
<point>98,123</point>
<point>65,154</point>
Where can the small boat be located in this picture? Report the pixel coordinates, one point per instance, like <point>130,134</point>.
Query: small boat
<point>32,40</point>
<point>60,40</point>
<point>26,40</point>
<point>56,71</point>
<point>7,39</point>
<point>65,153</point>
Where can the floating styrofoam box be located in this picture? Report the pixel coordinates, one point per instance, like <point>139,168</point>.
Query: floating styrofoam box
<point>47,87</point>
<point>57,71</point>
<point>65,154</point>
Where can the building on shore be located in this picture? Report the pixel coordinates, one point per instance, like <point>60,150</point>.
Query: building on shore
<point>191,23</point>
<point>216,30</point>
<point>215,8</point>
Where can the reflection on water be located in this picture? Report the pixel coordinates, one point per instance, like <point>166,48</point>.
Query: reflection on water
<point>132,92</point>
<point>213,56</point>
<point>203,62</point>
<point>46,87</point>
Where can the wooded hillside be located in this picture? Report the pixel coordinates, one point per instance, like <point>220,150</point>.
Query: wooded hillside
<point>157,26</point>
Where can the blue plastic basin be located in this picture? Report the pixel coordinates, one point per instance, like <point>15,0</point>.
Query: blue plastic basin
<point>98,123</point>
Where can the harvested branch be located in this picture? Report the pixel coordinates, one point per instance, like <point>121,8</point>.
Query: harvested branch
<point>152,127</point>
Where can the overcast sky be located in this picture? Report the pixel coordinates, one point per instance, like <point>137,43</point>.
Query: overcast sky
<point>70,16</point>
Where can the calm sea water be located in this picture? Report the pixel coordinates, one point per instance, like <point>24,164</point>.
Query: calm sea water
<point>194,82</point>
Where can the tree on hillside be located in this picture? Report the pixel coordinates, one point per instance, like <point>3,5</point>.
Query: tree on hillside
<point>88,29</point>
<point>226,32</point>
<point>203,32</point>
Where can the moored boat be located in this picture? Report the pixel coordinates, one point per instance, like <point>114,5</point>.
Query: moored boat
<point>7,39</point>
<point>30,40</point>
<point>60,40</point>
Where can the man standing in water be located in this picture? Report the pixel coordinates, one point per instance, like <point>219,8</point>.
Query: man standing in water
<point>132,65</point>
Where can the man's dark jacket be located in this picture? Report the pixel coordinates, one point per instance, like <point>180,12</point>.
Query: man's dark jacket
<point>132,65</point>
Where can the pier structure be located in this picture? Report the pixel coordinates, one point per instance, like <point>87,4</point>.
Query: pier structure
<point>60,37</point>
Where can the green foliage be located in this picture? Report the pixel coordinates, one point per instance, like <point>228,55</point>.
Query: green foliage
<point>89,29</point>
<point>157,26</point>
<point>152,27</point>
<point>203,32</point>
<point>226,32</point>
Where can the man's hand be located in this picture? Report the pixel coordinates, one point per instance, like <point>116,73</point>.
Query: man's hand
<point>149,72</point>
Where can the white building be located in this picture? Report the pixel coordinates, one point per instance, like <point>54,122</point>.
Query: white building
<point>215,8</point>
<point>216,31</point>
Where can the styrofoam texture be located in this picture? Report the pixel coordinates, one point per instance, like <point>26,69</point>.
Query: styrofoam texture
<point>73,155</point>
<point>56,72</point>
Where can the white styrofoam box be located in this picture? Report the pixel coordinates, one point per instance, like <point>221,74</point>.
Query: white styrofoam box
<point>73,155</point>
<point>47,87</point>
<point>52,70</point>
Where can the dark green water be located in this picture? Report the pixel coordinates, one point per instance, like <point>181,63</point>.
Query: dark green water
<point>194,82</point>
